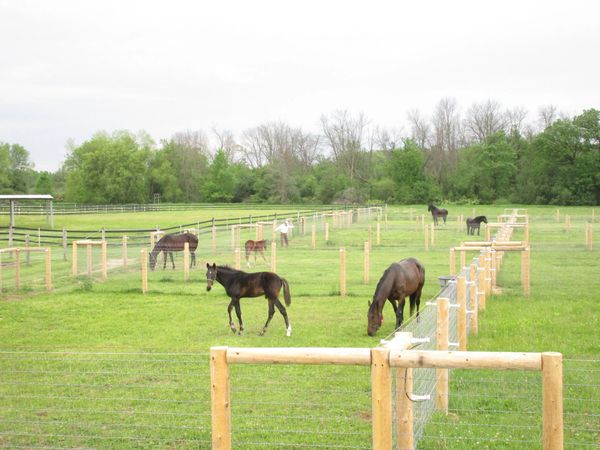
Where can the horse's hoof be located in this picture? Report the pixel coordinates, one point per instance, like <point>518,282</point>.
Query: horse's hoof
<point>240,333</point>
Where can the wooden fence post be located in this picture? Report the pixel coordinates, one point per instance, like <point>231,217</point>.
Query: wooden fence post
<point>441,391</point>
<point>404,409</point>
<point>481,287</point>
<point>124,251</point>
<point>366,263</point>
<point>186,261</point>
<point>237,264</point>
<point>343,291</point>
<point>473,297</point>
<point>552,401</point>
<point>74,260</point>
<point>461,296</point>
<point>64,244</point>
<point>17,268</point>
<point>88,259</point>
<point>381,386</point>
<point>274,257</point>
<point>48,267</point>
<point>104,266</point>
<point>326,231</point>
<point>220,404</point>
<point>144,265</point>
<point>214,239</point>
<point>314,236</point>
<point>452,261</point>
<point>378,231</point>
<point>525,271</point>
<point>27,256</point>
<point>463,258</point>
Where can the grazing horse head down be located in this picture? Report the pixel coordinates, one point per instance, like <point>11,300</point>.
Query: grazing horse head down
<point>170,243</point>
<point>240,284</point>
<point>401,279</point>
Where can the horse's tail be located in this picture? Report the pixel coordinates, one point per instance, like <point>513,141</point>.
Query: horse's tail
<point>286,292</point>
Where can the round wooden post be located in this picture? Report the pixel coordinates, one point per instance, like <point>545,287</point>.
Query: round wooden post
<point>366,263</point>
<point>220,399</point>
<point>214,239</point>
<point>27,255</point>
<point>186,261</point>
<point>404,409</point>
<point>64,244</point>
<point>461,295</point>
<point>441,337</point>
<point>378,231</point>
<point>452,261</point>
<point>526,233</point>
<point>567,222</point>
<point>463,259</point>
<point>88,259</point>
<point>144,265</point>
<point>370,235</point>
<point>104,266</point>
<point>487,233</point>
<point>552,401</point>
<point>124,251</point>
<point>274,257</point>
<point>525,271</point>
<point>481,287</point>
<point>381,389</point>
<point>151,240</point>
<point>493,268</point>
<point>326,231</point>
<point>343,272</point>
<point>473,299</point>
<point>314,236</point>
<point>17,268</point>
<point>237,263</point>
<point>432,234</point>
<point>74,260</point>
<point>48,271</point>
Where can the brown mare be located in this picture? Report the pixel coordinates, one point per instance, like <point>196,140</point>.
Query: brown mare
<point>255,246</point>
<point>403,278</point>
<point>170,243</point>
<point>240,284</point>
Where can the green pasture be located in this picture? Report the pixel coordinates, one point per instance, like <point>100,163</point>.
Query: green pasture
<point>98,364</point>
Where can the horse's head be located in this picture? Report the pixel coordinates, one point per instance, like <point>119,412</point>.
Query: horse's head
<point>211,275</point>
<point>375,319</point>
<point>430,207</point>
<point>484,219</point>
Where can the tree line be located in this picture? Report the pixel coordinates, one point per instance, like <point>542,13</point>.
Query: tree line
<point>486,154</point>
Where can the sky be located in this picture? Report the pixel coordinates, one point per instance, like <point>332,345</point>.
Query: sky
<point>69,69</point>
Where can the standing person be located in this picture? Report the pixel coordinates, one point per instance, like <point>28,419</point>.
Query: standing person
<point>283,229</point>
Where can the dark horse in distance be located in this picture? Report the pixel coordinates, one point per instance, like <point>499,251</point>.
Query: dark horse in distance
<point>256,247</point>
<point>437,212</point>
<point>170,243</point>
<point>403,278</point>
<point>240,284</point>
<point>474,224</point>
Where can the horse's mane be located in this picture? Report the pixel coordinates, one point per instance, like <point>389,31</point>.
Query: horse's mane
<point>380,283</point>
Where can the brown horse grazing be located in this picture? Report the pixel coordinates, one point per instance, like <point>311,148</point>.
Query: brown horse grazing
<point>437,212</point>
<point>403,278</point>
<point>474,224</point>
<point>255,246</point>
<point>170,243</point>
<point>240,284</point>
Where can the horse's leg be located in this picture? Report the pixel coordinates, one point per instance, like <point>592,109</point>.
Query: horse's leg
<point>231,324</point>
<point>164,260</point>
<point>400,312</point>
<point>262,253</point>
<point>238,312</point>
<point>282,310</point>
<point>172,261</point>
<point>415,300</point>
<point>193,260</point>
<point>269,317</point>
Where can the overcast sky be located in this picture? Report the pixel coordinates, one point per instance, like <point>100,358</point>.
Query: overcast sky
<point>71,68</point>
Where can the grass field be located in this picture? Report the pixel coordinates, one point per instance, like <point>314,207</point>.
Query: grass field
<point>98,364</point>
